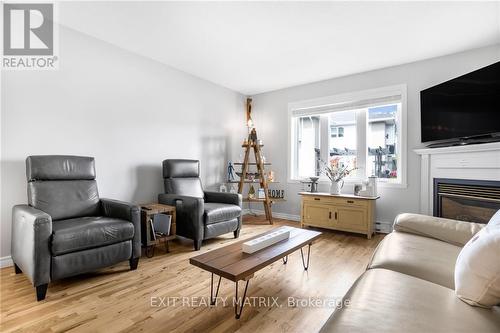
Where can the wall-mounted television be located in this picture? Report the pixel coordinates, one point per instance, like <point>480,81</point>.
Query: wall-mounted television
<point>462,110</point>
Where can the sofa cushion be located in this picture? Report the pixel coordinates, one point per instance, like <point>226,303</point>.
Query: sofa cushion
<point>386,301</point>
<point>190,187</point>
<point>80,262</point>
<point>60,167</point>
<point>65,199</point>
<point>179,168</point>
<point>88,232</point>
<point>449,231</point>
<point>425,258</point>
<point>220,228</point>
<point>218,212</point>
<point>477,272</point>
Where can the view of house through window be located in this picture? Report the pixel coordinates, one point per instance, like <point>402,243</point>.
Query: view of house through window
<point>364,138</point>
<point>382,141</point>
<point>343,138</point>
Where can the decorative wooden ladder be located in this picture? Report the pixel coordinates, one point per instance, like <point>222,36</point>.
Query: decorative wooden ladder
<point>252,143</point>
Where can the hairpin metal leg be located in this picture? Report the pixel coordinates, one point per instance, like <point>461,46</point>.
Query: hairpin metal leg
<point>237,314</point>
<point>213,298</point>
<point>306,265</point>
<point>285,260</point>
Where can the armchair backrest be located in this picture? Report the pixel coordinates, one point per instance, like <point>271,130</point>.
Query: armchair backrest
<point>62,186</point>
<point>182,177</point>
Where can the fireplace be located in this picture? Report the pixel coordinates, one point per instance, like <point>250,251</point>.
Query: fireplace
<point>466,200</point>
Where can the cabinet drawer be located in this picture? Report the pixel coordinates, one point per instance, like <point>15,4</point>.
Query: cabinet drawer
<point>350,202</point>
<point>354,202</point>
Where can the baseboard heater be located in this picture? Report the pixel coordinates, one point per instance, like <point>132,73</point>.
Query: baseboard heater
<point>383,227</point>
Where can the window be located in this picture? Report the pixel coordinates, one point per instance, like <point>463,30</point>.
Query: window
<point>337,132</point>
<point>362,130</point>
<point>382,141</point>
<point>308,146</point>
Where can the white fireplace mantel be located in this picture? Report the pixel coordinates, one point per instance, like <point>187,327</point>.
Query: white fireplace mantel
<point>479,162</point>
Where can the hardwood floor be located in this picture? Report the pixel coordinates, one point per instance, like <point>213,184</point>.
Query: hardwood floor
<point>118,300</point>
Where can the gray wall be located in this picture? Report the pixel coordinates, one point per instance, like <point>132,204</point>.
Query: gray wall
<point>270,117</point>
<point>127,111</point>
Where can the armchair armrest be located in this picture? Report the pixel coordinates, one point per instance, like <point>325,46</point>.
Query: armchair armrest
<point>223,197</point>
<point>189,211</point>
<point>447,230</point>
<point>119,209</point>
<point>125,211</point>
<point>31,232</point>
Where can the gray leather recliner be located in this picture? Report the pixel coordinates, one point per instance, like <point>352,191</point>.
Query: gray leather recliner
<point>66,229</point>
<point>200,214</point>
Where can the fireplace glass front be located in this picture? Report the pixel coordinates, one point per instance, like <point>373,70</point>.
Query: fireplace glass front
<point>466,200</point>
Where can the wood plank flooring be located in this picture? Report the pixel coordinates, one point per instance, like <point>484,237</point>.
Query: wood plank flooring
<point>118,300</point>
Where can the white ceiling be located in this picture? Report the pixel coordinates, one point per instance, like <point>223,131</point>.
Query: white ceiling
<point>255,47</point>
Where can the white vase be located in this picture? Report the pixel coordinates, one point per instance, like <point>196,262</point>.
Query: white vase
<point>336,186</point>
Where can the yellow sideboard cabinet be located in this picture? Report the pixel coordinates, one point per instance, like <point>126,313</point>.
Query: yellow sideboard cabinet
<point>338,212</point>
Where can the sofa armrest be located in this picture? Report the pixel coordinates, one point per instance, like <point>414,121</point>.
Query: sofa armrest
<point>125,211</point>
<point>30,243</point>
<point>447,230</point>
<point>189,212</point>
<point>224,197</point>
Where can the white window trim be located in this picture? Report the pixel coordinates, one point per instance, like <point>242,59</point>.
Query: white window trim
<point>324,102</point>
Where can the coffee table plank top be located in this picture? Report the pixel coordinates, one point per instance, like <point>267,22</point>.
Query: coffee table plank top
<point>231,263</point>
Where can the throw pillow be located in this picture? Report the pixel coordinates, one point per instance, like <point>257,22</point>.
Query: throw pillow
<point>477,270</point>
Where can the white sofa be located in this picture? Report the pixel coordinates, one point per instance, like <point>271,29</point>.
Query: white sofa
<point>409,283</point>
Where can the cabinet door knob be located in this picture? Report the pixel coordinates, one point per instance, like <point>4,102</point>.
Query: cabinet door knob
<point>317,199</point>
<point>350,201</point>
<point>335,215</point>
<point>330,215</point>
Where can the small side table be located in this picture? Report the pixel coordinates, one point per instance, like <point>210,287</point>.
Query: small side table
<point>147,212</point>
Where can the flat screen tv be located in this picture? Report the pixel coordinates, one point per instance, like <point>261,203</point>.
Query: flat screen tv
<point>463,109</point>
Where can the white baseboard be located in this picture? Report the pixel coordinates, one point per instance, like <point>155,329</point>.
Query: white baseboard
<point>275,214</point>
<point>6,262</point>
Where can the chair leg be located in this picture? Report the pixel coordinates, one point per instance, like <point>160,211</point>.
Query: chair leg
<point>197,245</point>
<point>236,233</point>
<point>17,269</point>
<point>134,262</point>
<point>41,291</point>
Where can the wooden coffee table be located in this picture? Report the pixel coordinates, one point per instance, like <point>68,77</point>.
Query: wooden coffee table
<point>231,263</point>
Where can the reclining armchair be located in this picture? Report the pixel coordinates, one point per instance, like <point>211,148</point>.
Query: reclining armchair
<point>66,229</point>
<point>200,214</point>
